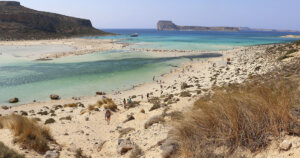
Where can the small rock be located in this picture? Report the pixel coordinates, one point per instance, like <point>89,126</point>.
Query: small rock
<point>285,145</point>
<point>43,113</point>
<point>54,97</point>
<point>66,118</point>
<point>49,121</point>
<point>52,154</point>
<point>100,93</point>
<point>129,118</point>
<point>124,146</point>
<point>5,107</point>
<point>24,113</point>
<point>13,100</point>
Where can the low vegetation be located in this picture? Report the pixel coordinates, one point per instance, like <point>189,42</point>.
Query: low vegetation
<point>27,132</point>
<point>79,154</point>
<point>245,116</point>
<point>71,105</point>
<point>284,49</point>
<point>6,152</point>
<point>107,103</point>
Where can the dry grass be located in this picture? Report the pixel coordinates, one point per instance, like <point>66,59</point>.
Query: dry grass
<point>5,152</point>
<point>110,104</point>
<point>27,132</point>
<point>79,154</point>
<point>244,116</point>
<point>136,152</point>
<point>107,103</point>
<point>71,105</point>
<point>99,103</point>
<point>153,120</point>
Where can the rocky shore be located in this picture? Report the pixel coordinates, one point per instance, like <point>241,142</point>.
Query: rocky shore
<point>141,127</point>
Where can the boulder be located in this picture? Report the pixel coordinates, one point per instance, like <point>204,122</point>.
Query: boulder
<point>13,100</point>
<point>54,97</point>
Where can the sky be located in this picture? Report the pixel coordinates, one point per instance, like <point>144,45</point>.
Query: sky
<point>273,14</point>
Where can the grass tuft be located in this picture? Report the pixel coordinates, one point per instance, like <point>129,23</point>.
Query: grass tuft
<point>244,116</point>
<point>27,132</point>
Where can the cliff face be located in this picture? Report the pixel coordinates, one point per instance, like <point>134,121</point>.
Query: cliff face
<point>169,26</point>
<point>18,22</point>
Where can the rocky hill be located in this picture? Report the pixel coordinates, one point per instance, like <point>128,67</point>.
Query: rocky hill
<point>169,26</point>
<point>18,22</point>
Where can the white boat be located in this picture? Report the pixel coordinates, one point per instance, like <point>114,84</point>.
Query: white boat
<point>134,35</point>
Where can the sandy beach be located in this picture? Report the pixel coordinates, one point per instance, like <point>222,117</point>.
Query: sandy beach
<point>50,49</point>
<point>291,36</point>
<point>90,132</point>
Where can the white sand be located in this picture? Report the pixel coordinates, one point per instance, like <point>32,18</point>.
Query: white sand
<point>47,49</point>
<point>88,134</point>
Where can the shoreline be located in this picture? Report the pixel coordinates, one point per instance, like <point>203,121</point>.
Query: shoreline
<point>158,53</point>
<point>291,36</point>
<point>87,131</point>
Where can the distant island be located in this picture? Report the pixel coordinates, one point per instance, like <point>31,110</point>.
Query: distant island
<point>20,23</point>
<point>170,26</point>
<point>165,25</point>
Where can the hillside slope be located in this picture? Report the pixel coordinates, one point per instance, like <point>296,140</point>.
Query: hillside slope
<point>18,22</point>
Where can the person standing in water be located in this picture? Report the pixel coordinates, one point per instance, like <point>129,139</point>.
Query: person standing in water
<point>107,116</point>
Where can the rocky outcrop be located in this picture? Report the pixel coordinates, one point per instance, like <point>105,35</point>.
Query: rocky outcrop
<point>170,26</point>
<point>18,22</point>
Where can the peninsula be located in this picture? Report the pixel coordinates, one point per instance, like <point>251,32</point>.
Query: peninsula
<point>170,26</point>
<point>165,25</point>
<point>20,23</point>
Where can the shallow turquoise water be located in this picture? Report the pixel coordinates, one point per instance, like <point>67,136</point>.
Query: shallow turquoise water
<point>112,70</point>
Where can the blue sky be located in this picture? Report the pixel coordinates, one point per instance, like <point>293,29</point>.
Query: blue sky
<point>276,14</point>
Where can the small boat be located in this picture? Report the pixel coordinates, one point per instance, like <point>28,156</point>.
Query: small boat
<point>134,35</point>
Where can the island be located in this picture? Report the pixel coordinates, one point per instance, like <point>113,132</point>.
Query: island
<point>170,26</point>
<point>20,23</point>
<point>165,25</point>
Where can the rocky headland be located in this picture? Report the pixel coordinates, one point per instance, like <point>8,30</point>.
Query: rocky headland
<point>20,23</point>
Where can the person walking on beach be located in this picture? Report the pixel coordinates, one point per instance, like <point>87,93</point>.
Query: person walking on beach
<point>124,101</point>
<point>107,116</point>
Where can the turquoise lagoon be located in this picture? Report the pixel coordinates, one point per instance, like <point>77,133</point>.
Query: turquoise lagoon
<point>113,70</point>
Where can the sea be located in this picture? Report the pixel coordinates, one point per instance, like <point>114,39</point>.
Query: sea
<point>116,70</point>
